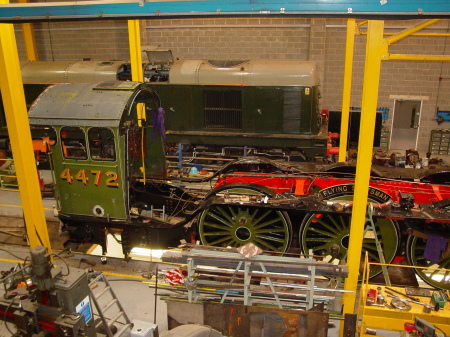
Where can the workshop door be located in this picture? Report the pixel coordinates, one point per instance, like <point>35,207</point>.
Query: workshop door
<point>405,124</point>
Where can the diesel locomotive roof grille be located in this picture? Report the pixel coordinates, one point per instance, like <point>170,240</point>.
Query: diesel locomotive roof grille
<point>222,109</point>
<point>292,111</point>
<point>226,63</point>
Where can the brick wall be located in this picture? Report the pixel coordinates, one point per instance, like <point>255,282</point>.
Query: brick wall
<point>67,41</point>
<point>322,40</point>
<point>218,38</point>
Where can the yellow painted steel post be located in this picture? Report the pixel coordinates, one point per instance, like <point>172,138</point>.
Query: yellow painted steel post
<point>28,39</point>
<point>375,48</point>
<point>411,30</point>
<point>20,138</point>
<point>347,88</point>
<point>137,74</point>
<point>134,37</point>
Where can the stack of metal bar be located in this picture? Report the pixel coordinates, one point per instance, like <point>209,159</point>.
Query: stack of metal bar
<point>240,276</point>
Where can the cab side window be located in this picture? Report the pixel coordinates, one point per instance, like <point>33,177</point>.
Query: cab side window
<point>73,143</point>
<point>101,144</point>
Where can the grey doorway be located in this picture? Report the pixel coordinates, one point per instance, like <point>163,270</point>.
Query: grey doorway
<point>405,124</point>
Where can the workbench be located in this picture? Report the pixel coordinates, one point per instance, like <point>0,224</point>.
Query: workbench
<point>382,317</point>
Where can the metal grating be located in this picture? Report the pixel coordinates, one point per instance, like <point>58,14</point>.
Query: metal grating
<point>222,109</point>
<point>292,111</point>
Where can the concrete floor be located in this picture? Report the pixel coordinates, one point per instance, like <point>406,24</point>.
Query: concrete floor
<point>137,298</point>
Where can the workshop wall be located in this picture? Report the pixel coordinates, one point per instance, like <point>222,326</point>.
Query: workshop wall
<point>408,79</point>
<point>67,41</point>
<point>322,40</point>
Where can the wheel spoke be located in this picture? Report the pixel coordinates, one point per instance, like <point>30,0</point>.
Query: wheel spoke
<point>252,216</point>
<point>225,238</point>
<point>273,230</point>
<point>435,272</point>
<point>214,225</point>
<point>331,235</point>
<point>333,220</point>
<point>266,244</point>
<point>373,256</point>
<point>232,212</point>
<point>318,240</point>
<point>270,238</point>
<point>219,219</point>
<point>344,221</point>
<point>324,246</point>
<point>446,275</point>
<point>267,223</point>
<point>257,221</point>
<point>368,245</point>
<point>235,244</point>
<point>444,263</point>
<point>324,224</point>
<point>225,214</point>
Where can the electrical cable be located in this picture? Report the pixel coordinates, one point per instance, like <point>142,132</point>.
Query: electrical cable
<point>63,260</point>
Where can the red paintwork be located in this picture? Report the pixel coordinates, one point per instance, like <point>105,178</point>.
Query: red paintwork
<point>422,192</point>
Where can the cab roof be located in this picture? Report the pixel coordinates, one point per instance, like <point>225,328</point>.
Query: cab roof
<point>93,104</point>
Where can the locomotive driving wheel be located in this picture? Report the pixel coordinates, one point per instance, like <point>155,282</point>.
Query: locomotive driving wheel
<point>235,225</point>
<point>432,272</point>
<point>327,235</point>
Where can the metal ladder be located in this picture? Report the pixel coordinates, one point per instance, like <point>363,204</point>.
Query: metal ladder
<point>100,296</point>
<point>377,244</point>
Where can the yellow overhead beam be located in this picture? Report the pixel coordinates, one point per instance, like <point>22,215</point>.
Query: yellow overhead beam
<point>362,23</point>
<point>411,30</point>
<point>420,34</point>
<point>412,57</point>
<point>28,39</point>
<point>20,137</point>
<point>347,88</point>
<point>374,51</point>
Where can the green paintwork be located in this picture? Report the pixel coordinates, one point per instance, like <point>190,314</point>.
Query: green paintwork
<point>283,117</point>
<point>263,108</point>
<point>106,196</point>
<point>78,198</point>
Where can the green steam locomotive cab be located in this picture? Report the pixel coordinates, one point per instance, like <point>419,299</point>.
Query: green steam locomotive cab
<point>103,146</point>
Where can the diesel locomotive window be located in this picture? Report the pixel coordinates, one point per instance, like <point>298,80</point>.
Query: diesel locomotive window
<point>73,143</point>
<point>101,144</point>
<point>222,109</point>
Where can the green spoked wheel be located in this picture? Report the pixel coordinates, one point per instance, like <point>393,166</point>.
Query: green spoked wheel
<point>327,235</point>
<point>432,274</point>
<point>236,225</point>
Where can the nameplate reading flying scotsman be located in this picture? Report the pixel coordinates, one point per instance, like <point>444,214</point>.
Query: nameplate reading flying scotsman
<point>348,189</point>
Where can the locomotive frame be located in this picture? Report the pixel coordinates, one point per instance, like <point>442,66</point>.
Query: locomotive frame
<point>110,176</point>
